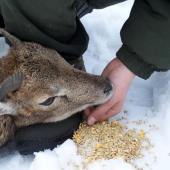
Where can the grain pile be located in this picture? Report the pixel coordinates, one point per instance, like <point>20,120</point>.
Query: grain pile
<point>108,140</point>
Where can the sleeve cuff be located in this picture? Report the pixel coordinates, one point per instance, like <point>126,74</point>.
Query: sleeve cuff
<point>134,63</point>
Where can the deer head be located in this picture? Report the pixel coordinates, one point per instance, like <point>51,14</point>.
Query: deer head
<point>39,86</point>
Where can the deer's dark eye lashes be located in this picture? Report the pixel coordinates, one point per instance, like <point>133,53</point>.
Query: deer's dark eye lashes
<point>48,102</point>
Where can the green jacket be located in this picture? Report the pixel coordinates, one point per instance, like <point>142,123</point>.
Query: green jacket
<point>53,23</point>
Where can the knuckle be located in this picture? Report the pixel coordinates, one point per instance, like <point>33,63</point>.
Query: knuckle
<point>116,110</point>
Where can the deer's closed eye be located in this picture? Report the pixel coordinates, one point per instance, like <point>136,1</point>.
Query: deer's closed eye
<point>48,102</point>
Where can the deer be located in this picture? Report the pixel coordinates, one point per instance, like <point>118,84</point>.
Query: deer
<point>39,86</point>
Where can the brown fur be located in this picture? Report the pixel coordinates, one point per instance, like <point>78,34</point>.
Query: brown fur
<point>46,75</point>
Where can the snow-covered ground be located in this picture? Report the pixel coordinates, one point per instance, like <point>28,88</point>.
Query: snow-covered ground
<point>146,100</point>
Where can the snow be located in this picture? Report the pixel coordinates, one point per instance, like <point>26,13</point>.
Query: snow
<point>147,100</point>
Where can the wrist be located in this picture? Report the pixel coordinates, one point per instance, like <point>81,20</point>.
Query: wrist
<point>138,66</point>
<point>117,66</point>
<point>123,72</point>
<point>118,73</point>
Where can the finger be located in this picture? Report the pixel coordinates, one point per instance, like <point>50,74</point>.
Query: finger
<point>87,111</point>
<point>112,111</point>
<point>100,116</point>
<point>98,112</point>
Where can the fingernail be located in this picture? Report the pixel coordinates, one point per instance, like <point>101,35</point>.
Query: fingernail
<point>91,121</point>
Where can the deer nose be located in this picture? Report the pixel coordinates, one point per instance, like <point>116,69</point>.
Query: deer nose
<point>108,87</point>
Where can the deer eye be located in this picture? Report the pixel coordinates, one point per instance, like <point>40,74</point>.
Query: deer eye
<point>48,102</point>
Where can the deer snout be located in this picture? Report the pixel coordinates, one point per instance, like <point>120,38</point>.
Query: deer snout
<point>108,87</point>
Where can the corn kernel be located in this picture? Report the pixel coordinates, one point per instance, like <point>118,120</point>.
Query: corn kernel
<point>124,158</point>
<point>78,134</point>
<point>116,156</point>
<point>142,134</point>
<point>98,145</point>
<point>103,123</point>
<point>115,122</point>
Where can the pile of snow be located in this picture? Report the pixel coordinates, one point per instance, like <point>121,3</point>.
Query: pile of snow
<point>146,100</point>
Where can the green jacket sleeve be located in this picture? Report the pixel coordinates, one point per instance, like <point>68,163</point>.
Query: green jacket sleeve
<point>146,38</point>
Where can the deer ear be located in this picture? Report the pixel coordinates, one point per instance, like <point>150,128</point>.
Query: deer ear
<point>10,84</point>
<point>7,127</point>
<point>14,40</point>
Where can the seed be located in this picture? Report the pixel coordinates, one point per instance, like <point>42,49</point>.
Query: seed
<point>78,134</point>
<point>142,134</point>
<point>116,156</point>
<point>115,122</point>
<point>112,140</point>
<point>76,165</point>
<point>125,111</point>
<point>98,145</point>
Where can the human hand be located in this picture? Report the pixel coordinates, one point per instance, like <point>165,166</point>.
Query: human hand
<point>121,78</point>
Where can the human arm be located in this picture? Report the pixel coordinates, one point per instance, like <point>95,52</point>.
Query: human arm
<point>146,38</point>
<point>121,78</point>
<point>145,49</point>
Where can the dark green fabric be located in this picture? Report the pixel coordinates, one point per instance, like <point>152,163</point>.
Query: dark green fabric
<point>146,38</point>
<point>99,4</point>
<point>2,25</point>
<point>78,64</point>
<point>49,130</point>
<point>53,23</point>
